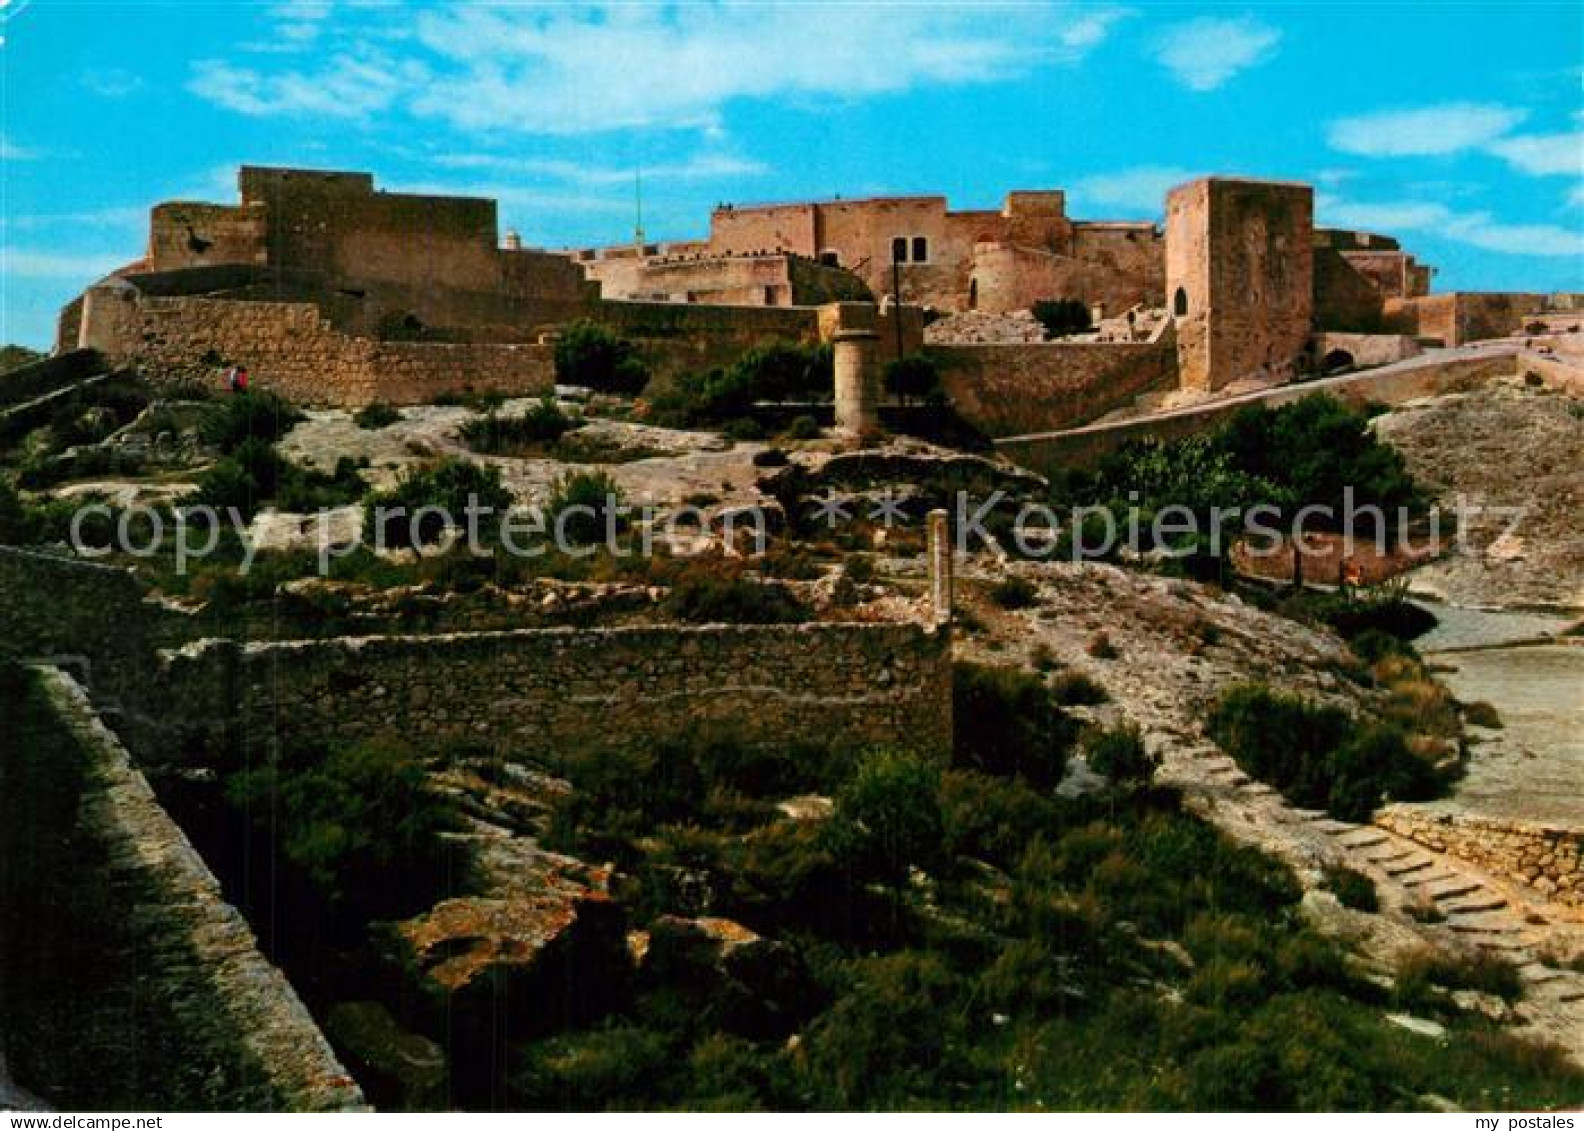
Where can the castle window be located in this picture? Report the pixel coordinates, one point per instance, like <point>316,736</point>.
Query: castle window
<point>899,250</point>
<point>920,249</point>
<point>1180,303</point>
<point>830,257</point>
<point>973,294</point>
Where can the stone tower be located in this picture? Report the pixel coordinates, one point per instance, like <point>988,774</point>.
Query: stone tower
<point>1239,278</point>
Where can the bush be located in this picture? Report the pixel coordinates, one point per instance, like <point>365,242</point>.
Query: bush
<point>774,371</point>
<point>261,416</point>
<point>255,474</point>
<point>376,415</point>
<point>449,485</point>
<point>1482,714</point>
<point>1062,316</point>
<point>1316,755</point>
<point>699,597</point>
<point>887,818</point>
<point>913,377</point>
<point>585,507</point>
<point>1352,888</point>
<point>491,434</point>
<point>590,355</point>
<point>1075,689</point>
<point>743,428</point>
<point>1014,592</point>
<point>1120,754</point>
<point>1007,723</point>
<point>803,428</point>
<point>360,820</point>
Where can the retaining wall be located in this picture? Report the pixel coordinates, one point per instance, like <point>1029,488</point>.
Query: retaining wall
<point>1008,390</point>
<point>537,693</point>
<point>1546,859</point>
<point>180,1004</point>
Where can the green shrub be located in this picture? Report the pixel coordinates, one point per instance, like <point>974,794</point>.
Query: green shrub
<point>359,820</point>
<point>259,415</point>
<point>1420,972</point>
<point>448,485</point>
<point>1316,755</point>
<point>1120,754</point>
<point>887,818</point>
<point>1075,689</point>
<point>1352,888</point>
<point>1062,316</point>
<point>774,371</point>
<point>743,428</point>
<point>255,474</point>
<point>585,507</point>
<point>699,597</point>
<point>803,428</point>
<point>1014,592</point>
<point>492,434</point>
<point>1482,714</point>
<point>376,415</point>
<point>913,377</point>
<point>1007,723</point>
<point>590,355</point>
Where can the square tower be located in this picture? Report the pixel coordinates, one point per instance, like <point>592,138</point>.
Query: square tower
<point>1239,277</point>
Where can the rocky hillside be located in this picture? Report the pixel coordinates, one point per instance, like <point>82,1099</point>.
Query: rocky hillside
<point>1503,445</point>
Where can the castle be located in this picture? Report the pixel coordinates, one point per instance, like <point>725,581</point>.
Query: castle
<point>339,293</point>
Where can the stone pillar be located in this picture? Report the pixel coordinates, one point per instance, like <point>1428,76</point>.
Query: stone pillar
<point>857,384</point>
<point>940,566</point>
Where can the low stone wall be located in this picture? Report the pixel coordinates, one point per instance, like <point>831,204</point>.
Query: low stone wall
<point>1547,860</point>
<point>1009,390</point>
<point>199,1018</point>
<point>98,620</point>
<point>48,375</point>
<point>541,692</point>
<point>291,348</point>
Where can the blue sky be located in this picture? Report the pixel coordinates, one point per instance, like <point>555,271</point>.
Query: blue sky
<point>1455,126</point>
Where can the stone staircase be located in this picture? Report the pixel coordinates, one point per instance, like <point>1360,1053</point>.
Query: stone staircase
<point>1473,907</point>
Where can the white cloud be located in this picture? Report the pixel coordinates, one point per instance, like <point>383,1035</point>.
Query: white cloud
<point>10,151</point>
<point>702,166</point>
<point>350,86</point>
<point>112,82</point>
<point>1477,229</point>
<point>21,263</point>
<point>1203,54</point>
<point>1544,154</point>
<point>555,69</point>
<point>1424,132</point>
<point>124,217</point>
<point>1142,189</point>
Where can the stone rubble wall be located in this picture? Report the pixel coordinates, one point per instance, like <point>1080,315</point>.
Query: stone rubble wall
<point>1547,860</point>
<point>1010,390</point>
<point>538,693</point>
<point>288,347</point>
<point>238,1023</point>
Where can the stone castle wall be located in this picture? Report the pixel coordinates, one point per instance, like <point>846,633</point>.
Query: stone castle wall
<point>1463,316</point>
<point>1548,860</point>
<point>1010,390</point>
<point>288,347</point>
<point>541,692</point>
<point>198,1018</point>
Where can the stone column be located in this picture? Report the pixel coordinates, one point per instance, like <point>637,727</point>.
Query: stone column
<point>857,384</point>
<point>940,566</point>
